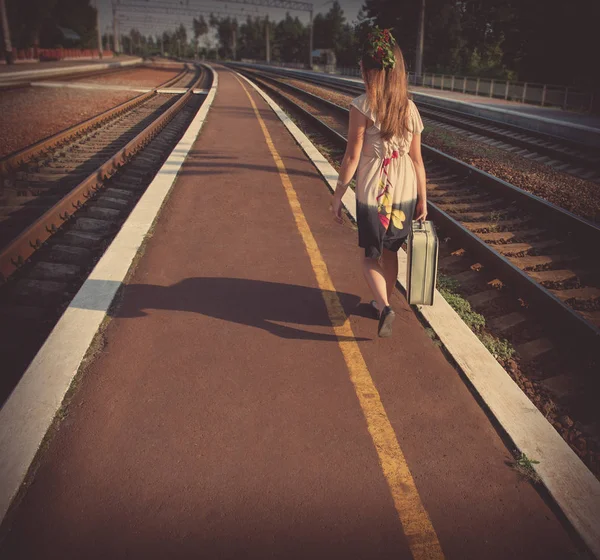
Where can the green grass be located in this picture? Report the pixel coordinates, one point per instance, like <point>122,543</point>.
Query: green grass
<point>325,150</point>
<point>448,287</point>
<point>463,308</point>
<point>524,465</point>
<point>447,283</point>
<point>495,216</point>
<point>501,349</point>
<point>434,337</point>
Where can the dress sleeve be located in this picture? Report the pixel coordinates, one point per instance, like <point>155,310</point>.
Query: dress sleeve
<point>362,105</point>
<point>417,123</point>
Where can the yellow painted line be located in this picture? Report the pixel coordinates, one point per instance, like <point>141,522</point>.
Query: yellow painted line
<point>415,521</point>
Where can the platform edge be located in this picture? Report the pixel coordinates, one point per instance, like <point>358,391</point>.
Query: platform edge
<point>7,78</point>
<point>29,412</point>
<point>571,484</point>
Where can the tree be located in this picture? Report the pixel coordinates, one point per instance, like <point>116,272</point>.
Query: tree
<point>200,29</point>
<point>137,42</point>
<point>37,22</point>
<point>290,40</point>
<point>332,32</point>
<point>227,29</point>
<point>329,28</point>
<point>553,44</point>
<point>252,39</point>
<point>516,39</point>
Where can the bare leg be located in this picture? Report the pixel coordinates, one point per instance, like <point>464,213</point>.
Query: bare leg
<point>389,260</point>
<point>375,278</point>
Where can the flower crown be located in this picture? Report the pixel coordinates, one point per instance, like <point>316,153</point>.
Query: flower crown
<point>380,47</point>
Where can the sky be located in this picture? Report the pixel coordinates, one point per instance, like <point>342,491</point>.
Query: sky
<point>183,11</point>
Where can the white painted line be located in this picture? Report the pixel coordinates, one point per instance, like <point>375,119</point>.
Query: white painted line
<point>115,87</point>
<point>172,90</point>
<point>574,488</point>
<point>32,406</point>
<point>104,87</point>
<point>7,77</point>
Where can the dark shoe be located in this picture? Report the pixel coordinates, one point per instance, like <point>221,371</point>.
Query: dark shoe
<point>385,322</point>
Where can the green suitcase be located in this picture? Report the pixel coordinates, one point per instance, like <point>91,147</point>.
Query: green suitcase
<point>421,263</point>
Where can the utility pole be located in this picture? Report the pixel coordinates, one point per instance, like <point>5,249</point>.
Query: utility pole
<point>115,33</point>
<point>310,38</point>
<point>8,54</point>
<point>99,37</point>
<point>419,61</point>
<point>267,39</point>
<point>234,42</point>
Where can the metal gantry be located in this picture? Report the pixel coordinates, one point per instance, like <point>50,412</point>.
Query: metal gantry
<point>140,13</point>
<point>128,12</point>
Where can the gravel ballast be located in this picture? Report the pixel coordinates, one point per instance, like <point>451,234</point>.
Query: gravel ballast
<point>571,193</point>
<point>140,77</point>
<point>29,115</point>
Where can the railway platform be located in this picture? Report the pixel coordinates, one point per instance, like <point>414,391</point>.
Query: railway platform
<point>21,74</point>
<point>552,113</point>
<point>239,404</point>
<point>526,109</point>
<point>61,64</point>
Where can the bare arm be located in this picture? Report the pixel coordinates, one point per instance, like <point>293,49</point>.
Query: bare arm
<point>417,159</point>
<point>356,135</point>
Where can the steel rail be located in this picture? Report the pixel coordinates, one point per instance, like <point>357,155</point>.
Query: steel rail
<point>22,247</point>
<point>12,161</point>
<point>582,154</point>
<point>564,318</point>
<point>588,231</point>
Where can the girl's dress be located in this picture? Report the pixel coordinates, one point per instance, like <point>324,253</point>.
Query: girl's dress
<point>386,184</point>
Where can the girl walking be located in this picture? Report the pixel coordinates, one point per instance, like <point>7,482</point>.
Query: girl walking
<point>384,149</point>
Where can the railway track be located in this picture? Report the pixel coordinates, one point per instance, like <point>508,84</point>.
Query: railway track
<point>526,265</point>
<point>57,173</point>
<point>72,199</point>
<point>564,155</point>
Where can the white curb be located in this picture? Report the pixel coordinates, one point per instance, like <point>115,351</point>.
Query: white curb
<point>9,77</point>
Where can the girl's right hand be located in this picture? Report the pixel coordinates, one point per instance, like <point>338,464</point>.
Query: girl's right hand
<point>420,210</point>
<point>336,209</point>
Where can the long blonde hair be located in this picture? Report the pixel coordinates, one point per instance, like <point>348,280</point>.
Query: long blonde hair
<point>387,93</point>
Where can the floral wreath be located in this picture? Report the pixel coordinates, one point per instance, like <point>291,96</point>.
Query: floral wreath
<point>380,47</point>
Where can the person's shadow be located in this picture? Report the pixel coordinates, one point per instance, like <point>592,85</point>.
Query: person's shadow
<point>248,302</point>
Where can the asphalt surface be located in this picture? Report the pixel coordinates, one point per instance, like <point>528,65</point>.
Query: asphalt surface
<point>219,419</point>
